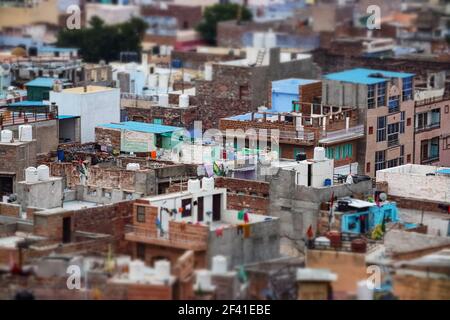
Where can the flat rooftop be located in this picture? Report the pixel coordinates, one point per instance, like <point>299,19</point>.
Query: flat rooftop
<point>89,89</point>
<point>141,127</point>
<point>366,76</point>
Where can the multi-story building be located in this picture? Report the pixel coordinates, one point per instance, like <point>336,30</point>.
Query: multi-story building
<point>385,101</point>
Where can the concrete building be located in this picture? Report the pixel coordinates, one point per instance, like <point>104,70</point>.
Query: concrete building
<point>92,104</point>
<point>385,103</point>
<point>111,13</point>
<point>198,220</point>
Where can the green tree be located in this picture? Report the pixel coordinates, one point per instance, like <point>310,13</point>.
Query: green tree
<point>104,42</point>
<point>220,12</point>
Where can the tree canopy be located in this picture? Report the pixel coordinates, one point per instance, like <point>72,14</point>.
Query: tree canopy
<point>104,42</point>
<point>220,12</point>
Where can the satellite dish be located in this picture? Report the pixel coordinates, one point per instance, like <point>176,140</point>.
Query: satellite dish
<point>382,196</point>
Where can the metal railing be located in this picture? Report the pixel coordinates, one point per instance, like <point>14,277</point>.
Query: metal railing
<point>428,127</point>
<point>343,133</point>
<point>11,118</point>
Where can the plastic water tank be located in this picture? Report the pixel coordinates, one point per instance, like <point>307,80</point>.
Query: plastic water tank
<point>203,279</point>
<point>208,71</point>
<point>6,136</point>
<point>258,40</point>
<point>31,175</point>
<point>319,154</point>
<point>208,183</point>
<point>43,172</point>
<point>193,185</point>
<point>133,166</point>
<point>153,80</point>
<point>270,40</point>
<point>162,269</point>
<point>363,291</point>
<point>163,100</point>
<point>219,264</point>
<point>25,132</point>
<point>136,270</point>
<point>163,81</point>
<point>183,101</point>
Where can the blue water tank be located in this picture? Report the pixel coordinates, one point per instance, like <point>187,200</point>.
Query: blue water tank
<point>60,154</point>
<point>327,182</point>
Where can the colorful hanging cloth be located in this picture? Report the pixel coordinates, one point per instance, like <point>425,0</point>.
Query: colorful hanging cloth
<point>240,214</point>
<point>246,217</point>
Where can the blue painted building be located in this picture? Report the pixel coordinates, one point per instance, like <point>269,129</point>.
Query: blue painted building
<point>285,91</point>
<point>364,216</point>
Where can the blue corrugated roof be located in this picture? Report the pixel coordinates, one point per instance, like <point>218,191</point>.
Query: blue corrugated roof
<point>28,103</point>
<point>41,82</point>
<point>366,76</point>
<point>290,85</point>
<point>67,117</point>
<point>141,127</point>
<point>444,171</point>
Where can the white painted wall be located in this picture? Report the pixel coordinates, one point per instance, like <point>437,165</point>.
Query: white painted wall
<point>410,181</point>
<point>93,108</point>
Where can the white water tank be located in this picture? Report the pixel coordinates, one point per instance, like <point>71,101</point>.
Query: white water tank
<point>162,269</point>
<point>319,154</point>
<point>6,136</point>
<point>25,132</point>
<point>219,264</point>
<point>163,80</point>
<point>153,80</point>
<point>203,280</point>
<point>193,185</point>
<point>31,175</point>
<point>163,99</point>
<point>136,270</point>
<point>133,166</point>
<point>270,40</point>
<point>363,291</point>
<point>258,39</point>
<point>183,101</point>
<point>208,183</point>
<point>208,71</point>
<point>43,172</point>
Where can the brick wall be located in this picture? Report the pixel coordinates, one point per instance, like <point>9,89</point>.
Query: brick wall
<point>10,210</point>
<point>409,287</point>
<point>108,137</point>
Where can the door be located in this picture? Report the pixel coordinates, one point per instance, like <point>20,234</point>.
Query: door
<point>200,209</point>
<point>67,229</point>
<point>217,206</point>
<point>6,186</point>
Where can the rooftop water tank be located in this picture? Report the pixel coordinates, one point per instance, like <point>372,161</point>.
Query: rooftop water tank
<point>219,264</point>
<point>270,40</point>
<point>31,175</point>
<point>319,154</point>
<point>203,279</point>
<point>208,183</point>
<point>163,81</point>
<point>153,80</point>
<point>183,101</point>
<point>163,100</point>
<point>208,71</point>
<point>6,136</point>
<point>133,166</point>
<point>258,39</point>
<point>25,132</point>
<point>162,269</point>
<point>193,185</point>
<point>43,172</point>
<point>136,270</point>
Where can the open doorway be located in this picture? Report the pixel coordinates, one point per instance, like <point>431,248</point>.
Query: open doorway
<point>217,206</point>
<point>67,229</point>
<point>6,185</point>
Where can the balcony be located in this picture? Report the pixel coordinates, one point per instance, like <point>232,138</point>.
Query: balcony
<point>355,132</point>
<point>170,239</point>
<point>423,96</point>
<point>11,118</point>
<point>431,126</point>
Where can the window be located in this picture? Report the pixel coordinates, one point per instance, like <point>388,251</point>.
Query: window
<point>428,120</point>
<point>243,92</point>
<point>429,150</point>
<point>401,159</point>
<point>394,104</point>
<point>380,158</point>
<point>408,158</point>
<point>381,94</point>
<point>341,152</point>
<point>402,122</point>
<point>435,118</point>
<point>140,251</point>
<point>371,96</point>
<point>186,204</point>
<point>446,143</point>
<point>392,137</point>
<point>368,167</point>
<point>140,214</point>
<point>392,163</point>
<point>381,129</point>
<point>408,122</point>
<point>407,89</point>
<point>422,121</point>
<point>370,130</point>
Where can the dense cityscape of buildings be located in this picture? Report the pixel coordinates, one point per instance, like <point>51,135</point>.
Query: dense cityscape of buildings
<point>299,158</point>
